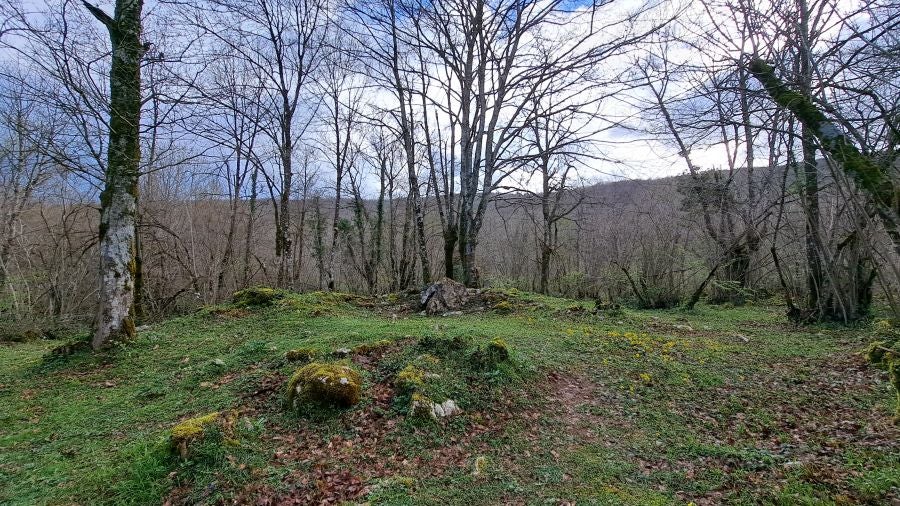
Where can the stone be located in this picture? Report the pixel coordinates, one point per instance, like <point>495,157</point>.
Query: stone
<point>444,296</point>
<point>423,407</point>
<point>324,384</point>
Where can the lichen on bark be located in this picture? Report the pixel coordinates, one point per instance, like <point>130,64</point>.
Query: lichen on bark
<point>118,201</point>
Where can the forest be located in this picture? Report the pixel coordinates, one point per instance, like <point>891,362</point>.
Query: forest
<point>449,251</point>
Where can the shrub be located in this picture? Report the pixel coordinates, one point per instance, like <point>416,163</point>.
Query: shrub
<point>324,385</point>
<point>886,355</point>
<point>20,333</point>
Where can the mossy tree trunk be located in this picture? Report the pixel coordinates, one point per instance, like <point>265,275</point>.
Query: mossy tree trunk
<point>118,201</point>
<point>872,178</point>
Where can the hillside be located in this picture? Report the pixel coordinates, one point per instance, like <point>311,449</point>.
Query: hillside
<point>706,407</point>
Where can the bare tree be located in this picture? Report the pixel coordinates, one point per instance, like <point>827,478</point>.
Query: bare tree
<point>282,41</point>
<point>118,202</point>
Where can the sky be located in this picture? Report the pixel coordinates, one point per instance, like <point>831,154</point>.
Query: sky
<point>621,153</point>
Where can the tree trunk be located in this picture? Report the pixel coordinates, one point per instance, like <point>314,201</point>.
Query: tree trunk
<point>814,276</point>
<point>449,251</point>
<point>139,309</point>
<point>118,201</point>
<point>283,229</point>
<point>871,178</point>
<point>546,253</point>
<point>248,238</point>
<point>229,246</point>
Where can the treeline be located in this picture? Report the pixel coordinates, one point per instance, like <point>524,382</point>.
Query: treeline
<point>374,147</point>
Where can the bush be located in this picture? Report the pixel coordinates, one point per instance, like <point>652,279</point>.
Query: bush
<point>885,354</point>
<point>20,335</point>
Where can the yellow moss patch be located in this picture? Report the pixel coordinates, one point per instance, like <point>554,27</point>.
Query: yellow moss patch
<point>428,359</point>
<point>496,352</point>
<point>323,384</point>
<point>410,378</point>
<point>193,429</point>
<point>420,406</point>
<point>504,306</point>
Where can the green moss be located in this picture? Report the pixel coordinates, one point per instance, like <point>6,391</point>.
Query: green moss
<point>444,346</point>
<point>503,307</point>
<point>367,348</point>
<point>301,355</point>
<point>410,379</point>
<point>129,330</point>
<point>492,355</point>
<point>873,179</point>
<point>190,430</point>
<point>257,297</point>
<point>420,406</point>
<point>323,384</point>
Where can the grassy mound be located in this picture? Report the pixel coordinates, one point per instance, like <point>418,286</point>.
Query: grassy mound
<point>257,297</point>
<point>557,405</point>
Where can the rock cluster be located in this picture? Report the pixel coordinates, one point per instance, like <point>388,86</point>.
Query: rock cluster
<point>444,296</point>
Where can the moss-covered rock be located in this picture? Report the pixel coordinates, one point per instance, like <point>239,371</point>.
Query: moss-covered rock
<point>423,408</point>
<point>324,385</point>
<point>194,429</point>
<point>260,296</point>
<point>420,406</point>
<point>885,354</point>
<point>301,355</point>
<point>503,307</point>
<point>492,355</point>
<point>410,379</point>
<point>370,348</point>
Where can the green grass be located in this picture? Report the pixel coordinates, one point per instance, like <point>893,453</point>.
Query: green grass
<point>650,407</point>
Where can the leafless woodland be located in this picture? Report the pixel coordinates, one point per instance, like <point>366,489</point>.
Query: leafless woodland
<point>372,147</point>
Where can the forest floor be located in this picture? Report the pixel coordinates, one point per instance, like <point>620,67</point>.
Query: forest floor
<point>716,405</point>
